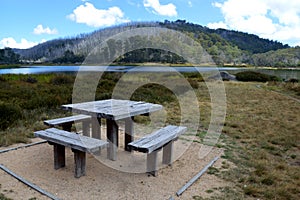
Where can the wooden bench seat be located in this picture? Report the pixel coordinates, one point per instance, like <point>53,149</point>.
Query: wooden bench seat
<point>67,122</point>
<point>152,143</point>
<point>78,143</point>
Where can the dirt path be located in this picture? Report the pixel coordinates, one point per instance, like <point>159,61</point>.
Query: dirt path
<point>35,164</point>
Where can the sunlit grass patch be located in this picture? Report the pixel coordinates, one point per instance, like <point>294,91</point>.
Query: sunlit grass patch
<point>265,126</point>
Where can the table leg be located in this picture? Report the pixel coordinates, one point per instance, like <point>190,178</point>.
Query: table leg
<point>96,129</point>
<point>86,128</point>
<point>129,132</point>
<point>112,138</point>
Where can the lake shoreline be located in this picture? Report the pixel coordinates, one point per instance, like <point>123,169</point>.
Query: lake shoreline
<point>283,73</point>
<point>151,65</point>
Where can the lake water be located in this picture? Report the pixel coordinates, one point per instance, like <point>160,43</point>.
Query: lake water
<point>61,69</point>
<point>282,73</point>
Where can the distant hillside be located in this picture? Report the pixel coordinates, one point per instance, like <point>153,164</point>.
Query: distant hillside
<point>244,41</point>
<point>225,47</point>
<point>250,42</point>
<point>281,58</point>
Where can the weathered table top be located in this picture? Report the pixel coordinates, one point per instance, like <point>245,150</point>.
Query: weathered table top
<point>113,109</point>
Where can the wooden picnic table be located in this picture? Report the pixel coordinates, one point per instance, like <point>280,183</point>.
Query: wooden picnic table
<point>113,110</point>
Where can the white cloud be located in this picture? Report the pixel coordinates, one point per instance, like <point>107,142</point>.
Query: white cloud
<point>216,25</point>
<point>273,19</point>
<point>12,43</point>
<point>190,4</point>
<point>157,8</point>
<point>41,30</point>
<point>88,14</point>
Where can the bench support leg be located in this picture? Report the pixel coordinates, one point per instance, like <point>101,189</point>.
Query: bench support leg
<point>168,153</point>
<point>129,132</point>
<point>152,163</point>
<point>59,156</point>
<point>80,162</point>
<point>86,128</point>
<point>112,138</point>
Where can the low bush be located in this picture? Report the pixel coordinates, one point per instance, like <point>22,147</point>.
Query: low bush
<point>30,79</point>
<point>292,80</point>
<point>2,79</point>
<point>9,114</point>
<point>293,87</point>
<point>61,79</point>
<point>255,77</point>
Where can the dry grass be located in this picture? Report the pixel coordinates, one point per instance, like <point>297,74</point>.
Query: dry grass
<point>261,137</point>
<point>289,89</point>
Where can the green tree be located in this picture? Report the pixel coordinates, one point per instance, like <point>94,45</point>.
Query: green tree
<point>8,56</point>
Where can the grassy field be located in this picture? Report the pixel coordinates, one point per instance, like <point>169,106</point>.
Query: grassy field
<point>261,135</point>
<point>261,139</point>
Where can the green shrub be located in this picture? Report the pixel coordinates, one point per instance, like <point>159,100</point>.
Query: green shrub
<point>62,79</point>
<point>2,79</point>
<point>30,79</point>
<point>9,114</point>
<point>292,80</point>
<point>255,76</point>
<point>293,156</point>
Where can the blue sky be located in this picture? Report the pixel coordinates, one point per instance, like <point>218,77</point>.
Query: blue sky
<point>25,23</point>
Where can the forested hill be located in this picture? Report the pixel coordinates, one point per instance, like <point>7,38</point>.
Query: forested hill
<point>244,41</point>
<point>249,42</point>
<point>225,47</point>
